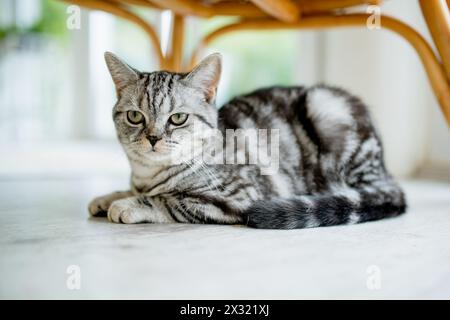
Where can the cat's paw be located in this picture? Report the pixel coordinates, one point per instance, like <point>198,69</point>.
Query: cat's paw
<point>99,206</point>
<point>123,211</point>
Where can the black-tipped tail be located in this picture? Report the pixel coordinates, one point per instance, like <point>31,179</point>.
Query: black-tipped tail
<point>354,206</point>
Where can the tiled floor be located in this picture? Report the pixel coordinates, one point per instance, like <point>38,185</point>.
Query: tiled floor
<point>44,229</point>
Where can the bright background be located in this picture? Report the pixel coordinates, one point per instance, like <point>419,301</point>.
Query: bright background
<point>56,95</point>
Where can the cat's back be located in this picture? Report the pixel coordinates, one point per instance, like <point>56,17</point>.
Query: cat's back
<point>318,126</point>
<point>321,109</point>
<point>262,108</point>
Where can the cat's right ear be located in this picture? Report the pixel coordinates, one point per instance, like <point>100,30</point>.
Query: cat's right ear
<point>206,75</point>
<point>121,73</point>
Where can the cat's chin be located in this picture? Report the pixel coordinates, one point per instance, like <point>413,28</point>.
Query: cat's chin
<point>163,158</point>
<point>156,155</point>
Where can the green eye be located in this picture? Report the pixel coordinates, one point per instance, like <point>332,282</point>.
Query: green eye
<point>135,117</point>
<point>178,118</point>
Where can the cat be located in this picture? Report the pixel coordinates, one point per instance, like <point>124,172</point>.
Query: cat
<point>331,168</point>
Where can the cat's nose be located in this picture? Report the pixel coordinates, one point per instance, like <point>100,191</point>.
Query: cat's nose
<point>153,140</point>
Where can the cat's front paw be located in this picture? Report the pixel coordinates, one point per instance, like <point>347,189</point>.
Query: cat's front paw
<point>123,211</point>
<point>99,206</point>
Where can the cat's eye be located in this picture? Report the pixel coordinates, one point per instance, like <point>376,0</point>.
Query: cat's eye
<point>135,117</point>
<point>178,118</point>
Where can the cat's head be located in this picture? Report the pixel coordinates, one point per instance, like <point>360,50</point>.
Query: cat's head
<point>160,115</point>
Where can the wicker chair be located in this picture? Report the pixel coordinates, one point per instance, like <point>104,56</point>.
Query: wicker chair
<point>292,14</point>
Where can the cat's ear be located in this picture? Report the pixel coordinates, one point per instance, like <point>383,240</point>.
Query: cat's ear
<point>121,73</point>
<point>206,75</point>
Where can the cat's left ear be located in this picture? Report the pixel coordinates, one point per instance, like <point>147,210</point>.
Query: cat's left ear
<point>121,73</point>
<point>206,75</point>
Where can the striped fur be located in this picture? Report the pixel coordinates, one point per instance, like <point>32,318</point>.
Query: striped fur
<point>331,168</point>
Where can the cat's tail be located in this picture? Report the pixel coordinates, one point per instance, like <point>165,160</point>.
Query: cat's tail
<point>340,206</point>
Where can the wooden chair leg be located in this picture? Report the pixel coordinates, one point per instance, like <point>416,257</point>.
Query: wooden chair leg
<point>437,16</point>
<point>123,12</point>
<point>176,54</point>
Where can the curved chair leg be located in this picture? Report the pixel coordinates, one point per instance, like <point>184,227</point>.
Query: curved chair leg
<point>437,16</point>
<point>433,67</point>
<point>120,11</point>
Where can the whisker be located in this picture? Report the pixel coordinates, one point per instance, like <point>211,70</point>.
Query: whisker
<point>211,175</point>
<point>203,175</point>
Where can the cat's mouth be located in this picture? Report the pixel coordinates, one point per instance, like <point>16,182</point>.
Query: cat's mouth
<point>160,152</point>
<point>156,150</point>
<point>152,152</point>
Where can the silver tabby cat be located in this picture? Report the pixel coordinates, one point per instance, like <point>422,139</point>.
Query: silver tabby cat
<point>331,168</point>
